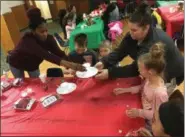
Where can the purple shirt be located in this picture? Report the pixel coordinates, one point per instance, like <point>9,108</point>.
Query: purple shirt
<point>30,52</point>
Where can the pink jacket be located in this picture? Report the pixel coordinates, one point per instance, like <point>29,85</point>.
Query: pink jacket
<point>115,29</point>
<point>151,99</point>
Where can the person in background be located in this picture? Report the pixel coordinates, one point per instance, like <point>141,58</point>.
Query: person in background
<point>62,14</point>
<point>70,26</point>
<point>72,9</point>
<point>114,14</point>
<point>36,46</point>
<point>157,20</point>
<point>153,90</point>
<point>105,48</point>
<point>168,121</point>
<point>130,6</point>
<point>103,4</point>
<point>81,54</point>
<point>111,14</point>
<point>137,42</point>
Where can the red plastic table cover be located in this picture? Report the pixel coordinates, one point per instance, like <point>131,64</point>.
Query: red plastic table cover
<point>91,110</point>
<point>173,21</point>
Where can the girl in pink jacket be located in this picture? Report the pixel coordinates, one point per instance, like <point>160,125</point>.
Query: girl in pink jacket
<point>153,90</point>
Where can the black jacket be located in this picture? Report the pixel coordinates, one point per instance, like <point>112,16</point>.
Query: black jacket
<point>81,58</point>
<point>128,46</point>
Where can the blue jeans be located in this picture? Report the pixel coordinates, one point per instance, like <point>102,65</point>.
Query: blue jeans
<point>17,73</point>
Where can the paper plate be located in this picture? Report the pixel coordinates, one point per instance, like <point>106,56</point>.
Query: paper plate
<point>91,71</point>
<point>66,88</point>
<point>86,65</point>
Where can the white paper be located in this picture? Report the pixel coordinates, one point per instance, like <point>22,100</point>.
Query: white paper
<point>86,65</point>
<point>91,71</point>
<point>66,88</point>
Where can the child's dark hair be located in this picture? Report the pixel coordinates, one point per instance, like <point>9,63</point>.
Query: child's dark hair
<point>176,95</point>
<point>35,18</point>
<point>69,9</point>
<point>70,16</point>
<point>105,44</point>
<point>81,40</point>
<point>155,58</point>
<point>171,115</point>
<point>142,15</point>
<point>107,1</point>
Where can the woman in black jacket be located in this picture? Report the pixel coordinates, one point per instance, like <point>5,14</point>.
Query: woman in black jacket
<point>137,42</point>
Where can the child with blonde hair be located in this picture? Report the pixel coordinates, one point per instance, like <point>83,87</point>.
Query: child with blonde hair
<point>105,48</point>
<point>153,90</point>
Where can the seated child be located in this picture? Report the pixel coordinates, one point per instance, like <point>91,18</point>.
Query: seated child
<point>153,91</point>
<point>105,48</point>
<point>81,54</point>
<point>168,120</point>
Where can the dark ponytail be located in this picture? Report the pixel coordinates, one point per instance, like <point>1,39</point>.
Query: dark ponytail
<point>35,18</point>
<point>142,15</point>
<point>70,8</point>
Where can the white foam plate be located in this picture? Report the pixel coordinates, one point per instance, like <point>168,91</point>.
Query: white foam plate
<point>66,88</point>
<point>91,71</point>
<point>86,65</point>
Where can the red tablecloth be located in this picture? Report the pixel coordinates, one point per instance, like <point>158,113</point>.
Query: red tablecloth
<point>173,21</point>
<point>91,109</point>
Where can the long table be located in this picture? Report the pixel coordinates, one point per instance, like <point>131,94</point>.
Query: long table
<point>91,110</point>
<point>161,3</point>
<point>173,21</point>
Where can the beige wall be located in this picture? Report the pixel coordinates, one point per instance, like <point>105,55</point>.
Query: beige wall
<point>19,13</point>
<point>6,39</point>
<point>44,8</point>
<point>18,10</point>
<point>13,18</point>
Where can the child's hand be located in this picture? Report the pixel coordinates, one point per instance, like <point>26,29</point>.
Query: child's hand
<point>69,72</point>
<point>72,72</point>
<point>132,113</point>
<point>72,65</point>
<point>99,65</point>
<point>118,91</point>
<point>144,132</point>
<point>66,71</point>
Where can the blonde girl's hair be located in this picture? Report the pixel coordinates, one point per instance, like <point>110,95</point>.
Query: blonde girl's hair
<point>155,58</point>
<point>106,44</point>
